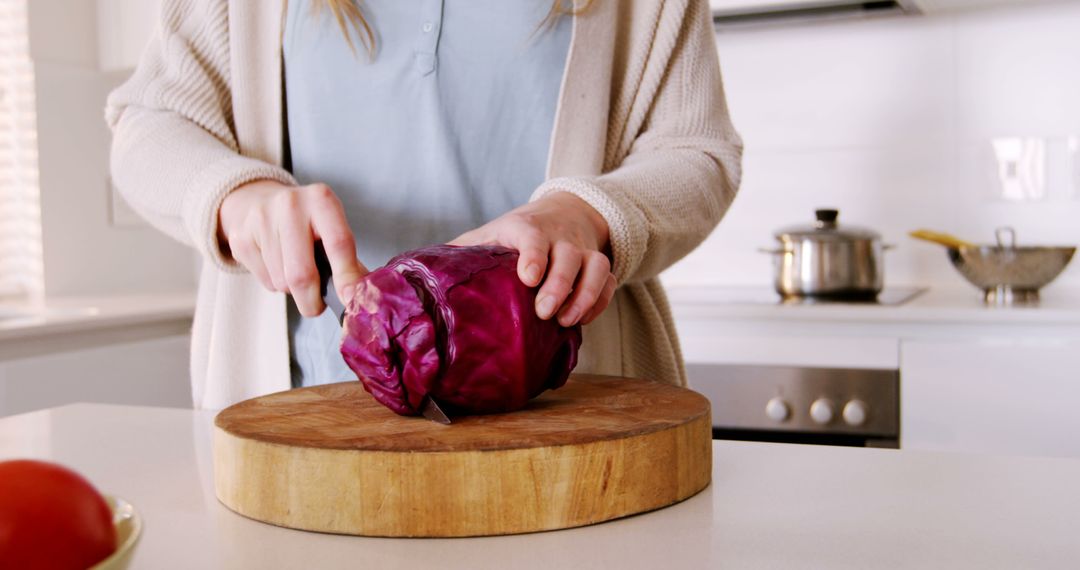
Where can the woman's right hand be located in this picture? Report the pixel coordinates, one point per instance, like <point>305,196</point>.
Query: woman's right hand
<point>271,229</point>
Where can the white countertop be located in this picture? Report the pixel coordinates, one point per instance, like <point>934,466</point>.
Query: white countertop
<point>934,306</point>
<point>65,324</point>
<point>58,315</point>
<point>769,506</point>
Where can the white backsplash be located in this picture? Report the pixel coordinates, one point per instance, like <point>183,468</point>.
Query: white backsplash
<point>892,121</point>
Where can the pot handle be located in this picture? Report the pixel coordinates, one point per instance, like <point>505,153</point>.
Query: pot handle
<point>1006,237</point>
<point>770,251</point>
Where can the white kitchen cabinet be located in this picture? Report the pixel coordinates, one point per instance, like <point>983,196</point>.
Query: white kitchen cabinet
<point>705,342</point>
<point>150,372</point>
<point>1008,396</point>
<point>972,379</point>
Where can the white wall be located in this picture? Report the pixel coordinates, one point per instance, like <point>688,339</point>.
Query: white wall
<point>890,120</point>
<point>92,245</point>
<point>124,27</point>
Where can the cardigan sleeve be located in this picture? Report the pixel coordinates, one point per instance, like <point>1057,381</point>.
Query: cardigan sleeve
<point>683,167</point>
<point>174,152</point>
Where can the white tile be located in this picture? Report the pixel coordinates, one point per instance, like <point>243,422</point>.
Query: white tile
<point>864,83</point>
<point>890,190</point>
<point>1018,72</point>
<point>891,121</point>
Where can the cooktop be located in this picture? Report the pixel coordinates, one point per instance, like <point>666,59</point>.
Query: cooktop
<point>890,296</point>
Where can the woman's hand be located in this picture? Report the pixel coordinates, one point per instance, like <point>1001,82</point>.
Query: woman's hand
<point>561,239</point>
<point>271,229</point>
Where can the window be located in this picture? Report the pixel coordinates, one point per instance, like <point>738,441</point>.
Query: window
<point>21,272</point>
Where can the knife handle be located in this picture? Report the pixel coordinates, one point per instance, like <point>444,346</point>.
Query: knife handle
<point>326,282</point>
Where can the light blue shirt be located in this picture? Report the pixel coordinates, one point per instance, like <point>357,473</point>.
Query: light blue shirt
<point>445,128</point>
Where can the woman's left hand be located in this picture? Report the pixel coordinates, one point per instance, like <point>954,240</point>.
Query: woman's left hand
<point>561,241</point>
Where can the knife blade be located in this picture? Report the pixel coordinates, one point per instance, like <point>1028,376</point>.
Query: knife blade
<point>433,412</point>
<point>326,284</point>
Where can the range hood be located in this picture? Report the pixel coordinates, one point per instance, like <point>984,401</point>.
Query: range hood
<point>741,12</point>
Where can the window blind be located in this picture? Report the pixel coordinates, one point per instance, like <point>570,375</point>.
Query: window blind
<point>21,270</point>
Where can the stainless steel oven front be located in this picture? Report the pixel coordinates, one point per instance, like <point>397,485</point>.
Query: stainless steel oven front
<point>836,406</point>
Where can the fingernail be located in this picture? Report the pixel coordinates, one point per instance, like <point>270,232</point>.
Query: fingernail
<point>532,273</point>
<point>546,306</point>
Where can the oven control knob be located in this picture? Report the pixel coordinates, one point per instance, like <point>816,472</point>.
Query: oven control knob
<point>855,413</point>
<point>821,411</point>
<point>777,410</point>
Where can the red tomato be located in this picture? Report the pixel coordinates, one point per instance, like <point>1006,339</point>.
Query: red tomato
<point>50,517</point>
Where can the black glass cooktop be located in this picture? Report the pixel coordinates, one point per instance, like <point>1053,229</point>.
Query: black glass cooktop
<point>890,296</point>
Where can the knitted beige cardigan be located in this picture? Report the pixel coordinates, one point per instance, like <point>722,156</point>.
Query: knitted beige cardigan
<point>642,134</point>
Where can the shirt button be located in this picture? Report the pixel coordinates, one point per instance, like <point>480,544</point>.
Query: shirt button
<point>428,26</point>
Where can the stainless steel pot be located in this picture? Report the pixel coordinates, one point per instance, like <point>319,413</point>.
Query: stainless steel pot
<point>826,260</point>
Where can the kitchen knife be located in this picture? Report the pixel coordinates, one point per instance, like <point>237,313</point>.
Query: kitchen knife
<point>326,284</point>
<point>433,412</point>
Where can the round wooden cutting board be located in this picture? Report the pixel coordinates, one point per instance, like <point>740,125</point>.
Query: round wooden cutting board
<point>332,459</point>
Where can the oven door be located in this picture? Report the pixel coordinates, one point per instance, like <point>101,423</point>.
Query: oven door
<point>834,406</point>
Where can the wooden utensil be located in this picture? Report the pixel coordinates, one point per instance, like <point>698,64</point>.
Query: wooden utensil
<point>947,240</point>
<point>331,459</point>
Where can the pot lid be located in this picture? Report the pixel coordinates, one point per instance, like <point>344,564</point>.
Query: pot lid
<point>826,228</point>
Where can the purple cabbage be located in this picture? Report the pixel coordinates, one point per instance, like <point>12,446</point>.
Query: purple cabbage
<point>455,324</point>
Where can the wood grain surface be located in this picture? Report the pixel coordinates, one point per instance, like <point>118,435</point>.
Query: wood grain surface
<point>330,458</point>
